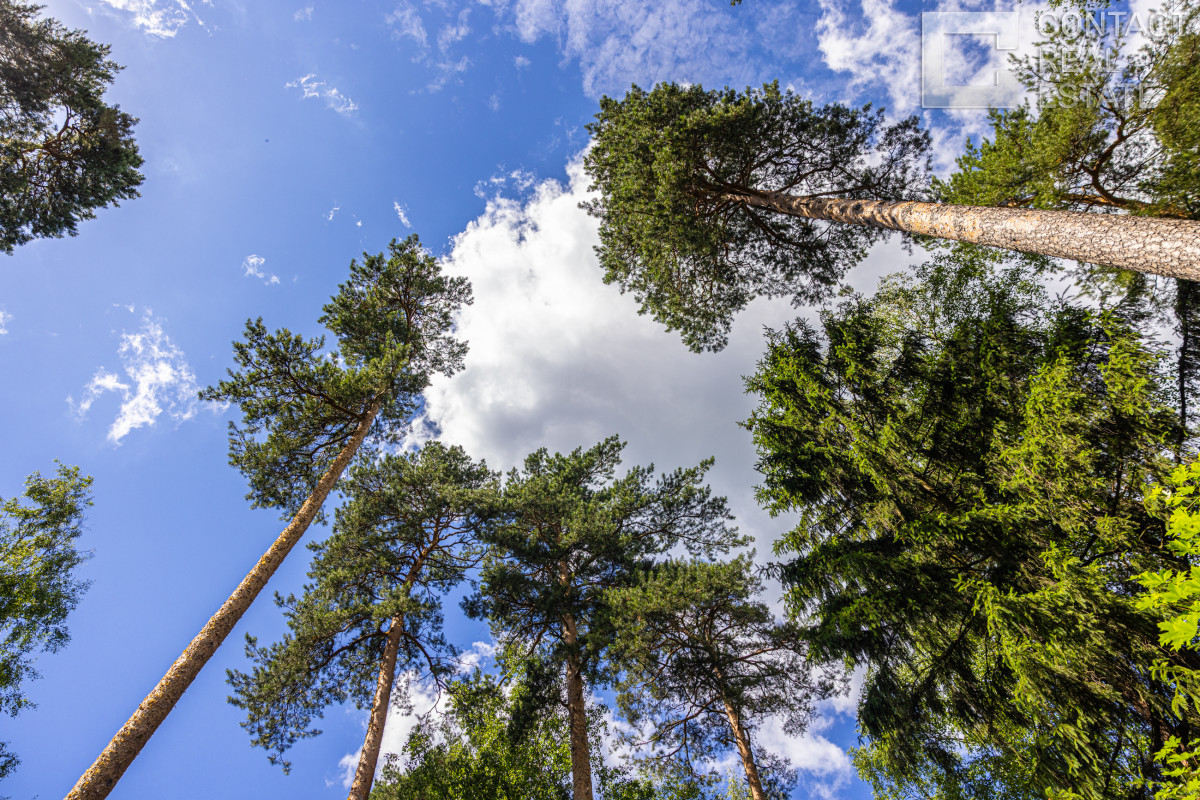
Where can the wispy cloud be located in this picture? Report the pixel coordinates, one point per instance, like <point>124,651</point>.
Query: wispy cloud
<point>252,267</point>
<point>6,318</point>
<point>155,18</point>
<point>333,97</point>
<point>332,213</point>
<point>407,22</point>
<point>402,213</point>
<point>157,380</point>
<point>303,14</point>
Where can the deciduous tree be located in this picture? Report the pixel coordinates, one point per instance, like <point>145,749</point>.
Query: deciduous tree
<point>38,585</point>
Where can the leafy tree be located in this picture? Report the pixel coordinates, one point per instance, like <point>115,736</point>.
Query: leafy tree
<point>711,198</point>
<point>571,531</point>
<point>970,462</point>
<point>306,412</point>
<point>1175,592</point>
<point>38,587</point>
<point>64,152</point>
<point>702,662</point>
<point>409,533</point>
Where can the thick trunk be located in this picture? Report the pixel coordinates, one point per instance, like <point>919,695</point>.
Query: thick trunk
<point>581,760</point>
<point>1155,245</point>
<point>102,776</point>
<point>364,776</point>
<point>742,737</point>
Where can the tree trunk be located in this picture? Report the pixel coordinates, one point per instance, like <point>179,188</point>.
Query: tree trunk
<point>364,776</point>
<point>581,760</point>
<point>742,737</point>
<point>102,776</point>
<point>1155,245</point>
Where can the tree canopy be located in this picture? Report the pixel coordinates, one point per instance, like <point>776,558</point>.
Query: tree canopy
<point>64,151</point>
<point>673,166</point>
<point>38,585</point>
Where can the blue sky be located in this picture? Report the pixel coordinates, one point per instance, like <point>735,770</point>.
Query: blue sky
<point>283,139</point>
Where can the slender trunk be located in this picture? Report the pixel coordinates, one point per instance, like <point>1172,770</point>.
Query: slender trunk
<point>1154,245</point>
<point>364,776</point>
<point>581,760</point>
<point>102,776</point>
<point>1183,312</point>
<point>742,737</point>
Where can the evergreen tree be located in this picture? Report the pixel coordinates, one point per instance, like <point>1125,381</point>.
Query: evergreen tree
<point>64,152</point>
<point>702,662</point>
<point>371,612</point>
<point>970,462</point>
<point>38,587</point>
<point>306,413</point>
<point>572,531</point>
<point>711,198</point>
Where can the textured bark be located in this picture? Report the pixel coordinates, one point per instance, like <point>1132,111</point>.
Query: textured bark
<point>742,737</point>
<point>364,776</point>
<point>102,776</point>
<point>581,760</point>
<point>1154,245</point>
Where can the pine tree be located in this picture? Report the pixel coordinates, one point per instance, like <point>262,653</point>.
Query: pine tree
<point>703,661</point>
<point>306,413</point>
<point>708,199</point>
<point>372,610</point>
<point>571,531</point>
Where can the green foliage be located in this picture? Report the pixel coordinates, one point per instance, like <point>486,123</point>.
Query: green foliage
<point>484,748</point>
<point>408,533</point>
<point>1175,593</point>
<point>63,151</point>
<point>38,588</point>
<point>692,646</point>
<point>671,165</point>
<point>571,531</point>
<point>970,462</point>
<point>301,405</point>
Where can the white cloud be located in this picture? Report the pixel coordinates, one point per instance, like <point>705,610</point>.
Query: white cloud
<point>252,267</point>
<point>303,14</point>
<point>401,213</point>
<point>520,62</point>
<point>5,318</point>
<point>157,380</point>
<point>163,19</point>
<point>879,45</point>
<point>406,22</point>
<point>332,212</point>
<point>334,99</point>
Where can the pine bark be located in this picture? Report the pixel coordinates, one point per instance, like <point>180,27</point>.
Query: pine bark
<point>364,776</point>
<point>581,761</point>
<point>742,738</point>
<point>1154,245</point>
<point>102,776</point>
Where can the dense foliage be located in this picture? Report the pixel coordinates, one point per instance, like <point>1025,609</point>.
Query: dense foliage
<point>671,166</point>
<point>64,152</point>
<point>38,585</point>
<point>970,461</point>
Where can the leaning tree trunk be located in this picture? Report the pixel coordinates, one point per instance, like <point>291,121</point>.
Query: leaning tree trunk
<point>581,760</point>
<point>742,738</point>
<point>102,776</point>
<point>364,776</point>
<point>1156,245</point>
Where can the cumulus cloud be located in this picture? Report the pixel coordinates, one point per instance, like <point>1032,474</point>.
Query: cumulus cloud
<point>154,379</point>
<point>309,86</point>
<point>157,18</point>
<point>252,268</point>
<point>5,318</point>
